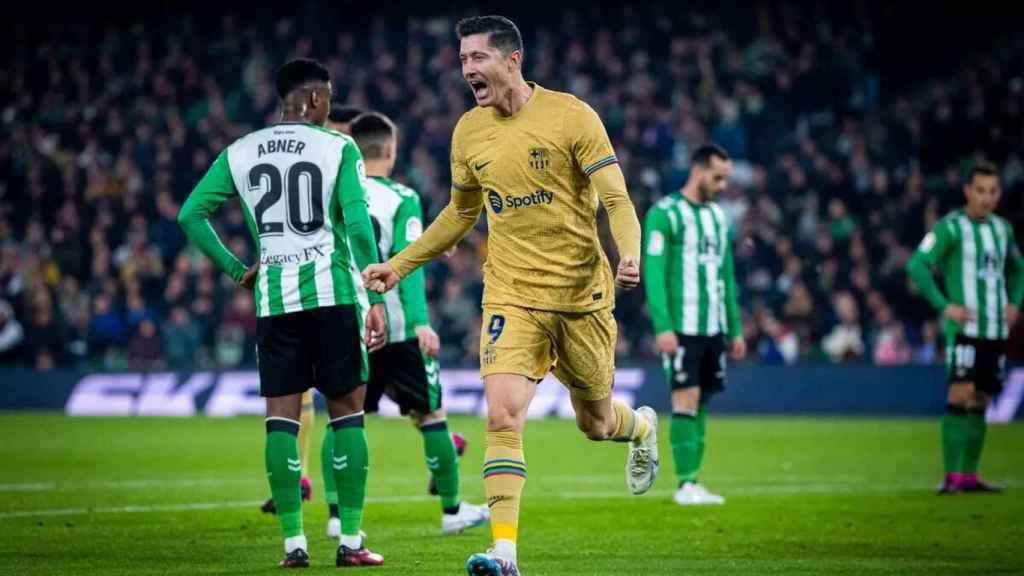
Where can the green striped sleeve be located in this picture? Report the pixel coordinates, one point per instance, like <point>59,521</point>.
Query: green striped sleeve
<point>408,226</point>
<point>1014,268</point>
<point>657,238</point>
<point>932,250</point>
<point>351,193</point>
<point>732,305</point>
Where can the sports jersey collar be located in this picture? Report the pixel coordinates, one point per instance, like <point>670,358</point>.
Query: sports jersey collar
<point>963,211</point>
<point>692,203</point>
<point>537,89</point>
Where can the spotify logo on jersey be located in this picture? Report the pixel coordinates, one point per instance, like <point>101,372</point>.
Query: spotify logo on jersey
<point>495,201</point>
<point>536,199</point>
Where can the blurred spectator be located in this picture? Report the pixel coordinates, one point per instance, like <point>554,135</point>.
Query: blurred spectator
<point>781,345</point>
<point>107,332</point>
<point>835,180</point>
<point>181,339</point>
<point>236,336</point>
<point>145,351</point>
<point>11,334</point>
<point>929,351</point>
<point>890,340</point>
<point>844,343</point>
<point>44,341</point>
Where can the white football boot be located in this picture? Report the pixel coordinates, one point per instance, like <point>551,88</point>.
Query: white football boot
<point>468,516</point>
<point>693,494</point>
<point>642,461</point>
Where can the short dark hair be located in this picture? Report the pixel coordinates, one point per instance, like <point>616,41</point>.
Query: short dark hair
<point>503,33</point>
<point>295,73</point>
<point>982,168</point>
<point>372,132</point>
<point>705,152</point>
<point>343,114</point>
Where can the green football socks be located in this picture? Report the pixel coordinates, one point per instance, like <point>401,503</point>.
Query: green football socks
<point>686,446</point>
<point>327,469</point>
<point>350,463</point>
<point>954,439</point>
<point>443,463</point>
<point>975,439</point>
<point>284,470</point>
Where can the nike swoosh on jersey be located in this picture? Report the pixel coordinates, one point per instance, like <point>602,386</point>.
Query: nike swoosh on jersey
<point>479,167</point>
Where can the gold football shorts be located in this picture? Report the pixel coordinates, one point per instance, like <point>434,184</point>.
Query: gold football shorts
<point>578,347</point>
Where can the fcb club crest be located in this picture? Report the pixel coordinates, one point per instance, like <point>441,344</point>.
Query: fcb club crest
<point>540,158</point>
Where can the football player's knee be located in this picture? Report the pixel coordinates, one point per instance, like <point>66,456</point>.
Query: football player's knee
<point>500,418</point>
<point>686,399</point>
<point>961,395</point>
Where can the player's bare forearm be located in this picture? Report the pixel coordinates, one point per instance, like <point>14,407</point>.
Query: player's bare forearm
<point>622,220</point>
<point>450,226</point>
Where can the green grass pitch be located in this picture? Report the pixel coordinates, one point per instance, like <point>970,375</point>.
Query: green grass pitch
<point>805,496</point>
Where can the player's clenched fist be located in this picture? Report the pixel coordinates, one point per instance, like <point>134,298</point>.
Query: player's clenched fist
<point>627,276</point>
<point>376,328</point>
<point>380,277</point>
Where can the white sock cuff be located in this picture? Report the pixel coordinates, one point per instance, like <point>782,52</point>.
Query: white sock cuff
<point>283,419</point>
<point>294,542</point>
<point>351,542</point>
<point>432,422</point>
<point>346,417</point>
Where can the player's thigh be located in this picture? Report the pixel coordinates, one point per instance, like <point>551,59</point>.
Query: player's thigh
<point>686,400</point>
<point>713,366</point>
<point>585,349</point>
<point>990,371</point>
<point>288,406</point>
<point>508,397</point>
<point>684,371</point>
<point>514,340</point>
<point>283,357</point>
<point>340,360</point>
<point>960,393</point>
<point>381,362</point>
<point>410,382</point>
<point>974,366</point>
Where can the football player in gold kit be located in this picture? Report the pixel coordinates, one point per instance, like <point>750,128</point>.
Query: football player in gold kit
<point>539,161</point>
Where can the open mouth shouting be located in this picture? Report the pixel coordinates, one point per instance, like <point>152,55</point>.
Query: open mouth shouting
<point>481,90</point>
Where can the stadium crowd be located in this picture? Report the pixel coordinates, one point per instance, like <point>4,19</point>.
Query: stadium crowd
<point>837,177</point>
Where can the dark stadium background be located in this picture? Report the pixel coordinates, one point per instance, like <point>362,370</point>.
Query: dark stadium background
<point>852,124</point>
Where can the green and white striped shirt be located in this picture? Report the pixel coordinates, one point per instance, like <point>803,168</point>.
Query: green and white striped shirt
<point>688,269</point>
<point>974,257</point>
<point>398,221</point>
<point>302,190</point>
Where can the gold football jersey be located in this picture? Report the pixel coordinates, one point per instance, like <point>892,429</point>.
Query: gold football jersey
<point>533,170</point>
